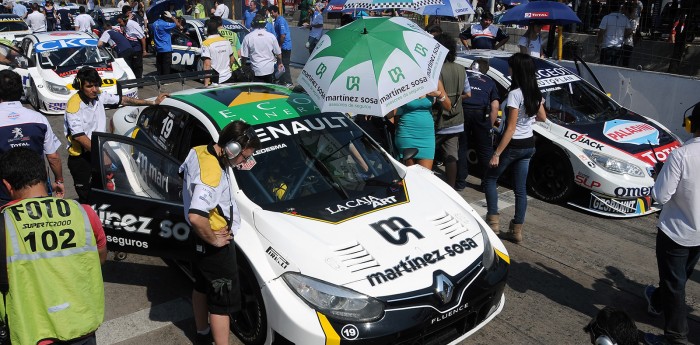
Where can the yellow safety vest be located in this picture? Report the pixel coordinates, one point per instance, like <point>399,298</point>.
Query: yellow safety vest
<point>56,289</point>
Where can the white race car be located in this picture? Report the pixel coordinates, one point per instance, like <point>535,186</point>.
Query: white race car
<point>593,153</point>
<point>187,45</point>
<point>12,27</point>
<point>339,243</point>
<point>55,58</point>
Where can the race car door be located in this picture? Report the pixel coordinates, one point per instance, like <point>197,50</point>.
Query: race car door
<point>137,193</point>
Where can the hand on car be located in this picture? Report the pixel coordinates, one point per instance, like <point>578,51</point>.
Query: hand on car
<point>160,98</point>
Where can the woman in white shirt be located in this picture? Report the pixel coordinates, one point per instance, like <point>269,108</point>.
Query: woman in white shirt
<point>523,106</point>
<point>531,42</point>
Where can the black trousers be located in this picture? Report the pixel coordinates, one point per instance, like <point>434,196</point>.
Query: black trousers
<point>136,63</point>
<point>676,263</point>
<point>264,78</point>
<point>163,62</point>
<point>286,77</point>
<point>80,169</point>
<point>477,127</point>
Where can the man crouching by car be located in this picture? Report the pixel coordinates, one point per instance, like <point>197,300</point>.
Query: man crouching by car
<point>213,214</point>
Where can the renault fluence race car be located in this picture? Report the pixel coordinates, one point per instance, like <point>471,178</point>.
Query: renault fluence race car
<point>339,243</point>
<point>12,27</point>
<point>55,58</point>
<point>592,153</point>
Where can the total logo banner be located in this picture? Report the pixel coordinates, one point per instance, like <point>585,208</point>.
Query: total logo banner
<point>631,132</point>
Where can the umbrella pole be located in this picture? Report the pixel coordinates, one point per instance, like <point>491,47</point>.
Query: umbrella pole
<point>560,31</point>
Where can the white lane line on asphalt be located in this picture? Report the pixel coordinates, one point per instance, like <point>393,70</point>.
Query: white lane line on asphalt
<point>505,199</point>
<point>144,321</point>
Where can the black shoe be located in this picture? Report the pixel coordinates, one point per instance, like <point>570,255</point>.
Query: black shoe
<point>203,339</point>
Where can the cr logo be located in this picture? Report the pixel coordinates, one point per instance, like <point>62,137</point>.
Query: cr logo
<point>396,74</point>
<point>395,230</point>
<point>353,82</point>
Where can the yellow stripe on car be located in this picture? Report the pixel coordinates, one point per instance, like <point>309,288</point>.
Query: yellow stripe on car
<point>503,256</point>
<point>332,338</point>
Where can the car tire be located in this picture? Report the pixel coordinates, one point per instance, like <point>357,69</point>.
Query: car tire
<point>34,96</point>
<point>550,176</point>
<point>250,325</point>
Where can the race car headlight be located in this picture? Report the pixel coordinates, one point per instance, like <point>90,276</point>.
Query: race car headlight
<point>124,76</point>
<point>334,301</point>
<point>489,255</point>
<point>57,88</point>
<point>614,165</point>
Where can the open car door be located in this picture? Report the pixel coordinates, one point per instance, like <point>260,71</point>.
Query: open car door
<point>137,193</point>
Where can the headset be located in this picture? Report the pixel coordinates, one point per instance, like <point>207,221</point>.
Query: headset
<point>234,147</point>
<point>690,123</point>
<point>259,22</point>
<point>77,83</point>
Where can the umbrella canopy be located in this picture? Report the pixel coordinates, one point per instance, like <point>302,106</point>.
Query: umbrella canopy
<point>372,66</point>
<point>384,4</point>
<point>545,12</point>
<point>157,7</point>
<point>449,8</point>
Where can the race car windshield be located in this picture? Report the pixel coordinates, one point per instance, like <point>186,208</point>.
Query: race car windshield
<point>570,100</point>
<point>74,56</point>
<point>331,160</point>
<point>19,25</point>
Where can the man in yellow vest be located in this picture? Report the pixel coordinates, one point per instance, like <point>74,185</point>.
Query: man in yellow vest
<point>53,248</point>
<point>211,210</point>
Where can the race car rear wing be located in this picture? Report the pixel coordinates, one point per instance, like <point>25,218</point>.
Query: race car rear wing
<point>159,80</point>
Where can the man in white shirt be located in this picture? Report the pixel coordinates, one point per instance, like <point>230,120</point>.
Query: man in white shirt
<point>262,49</point>
<point>220,9</point>
<point>614,28</point>
<point>217,53</point>
<point>121,4</point>
<point>83,22</point>
<point>36,20</point>
<point>677,187</point>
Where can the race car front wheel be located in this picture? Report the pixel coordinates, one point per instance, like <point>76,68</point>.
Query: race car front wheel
<point>550,176</point>
<point>250,325</point>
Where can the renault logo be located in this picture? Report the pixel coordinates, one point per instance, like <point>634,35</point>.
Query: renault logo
<point>444,288</point>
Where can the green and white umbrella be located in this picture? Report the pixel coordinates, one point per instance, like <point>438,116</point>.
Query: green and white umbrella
<point>372,66</point>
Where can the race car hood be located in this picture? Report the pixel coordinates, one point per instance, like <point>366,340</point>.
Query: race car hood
<point>65,76</point>
<point>395,249</point>
<point>630,133</point>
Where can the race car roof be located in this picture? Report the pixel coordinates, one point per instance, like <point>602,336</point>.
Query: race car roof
<point>254,103</point>
<point>60,35</point>
<point>227,23</point>
<point>9,17</point>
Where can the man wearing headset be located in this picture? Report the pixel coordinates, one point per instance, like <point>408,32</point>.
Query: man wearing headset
<point>85,114</point>
<point>263,50</point>
<point>213,214</point>
<point>678,236</point>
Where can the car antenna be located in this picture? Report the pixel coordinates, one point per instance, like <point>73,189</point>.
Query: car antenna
<point>659,164</point>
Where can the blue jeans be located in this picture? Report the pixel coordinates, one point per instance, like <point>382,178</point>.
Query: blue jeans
<point>520,160</point>
<point>676,263</point>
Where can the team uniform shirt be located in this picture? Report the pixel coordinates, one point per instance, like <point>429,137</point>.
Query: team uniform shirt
<point>37,21</point>
<point>22,127</point>
<point>523,128</point>
<point>219,50</point>
<point>221,11</point>
<point>84,22</point>
<point>282,28</point>
<point>534,47</point>
<point>261,48</point>
<point>116,40</point>
<point>483,38</point>
<point>84,119</point>
<point>614,25</point>
<point>161,35</point>
<point>206,191</point>
<point>199,11</point>
<point>248,17</point>
<point>19,10</point>
<point>317,19</point>
<point>678,189</point>
<point>134,33</point>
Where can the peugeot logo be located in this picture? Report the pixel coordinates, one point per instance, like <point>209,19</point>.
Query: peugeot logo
<point>444,288</point>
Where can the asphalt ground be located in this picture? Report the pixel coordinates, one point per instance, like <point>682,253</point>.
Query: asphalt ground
<point>571,265</point>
